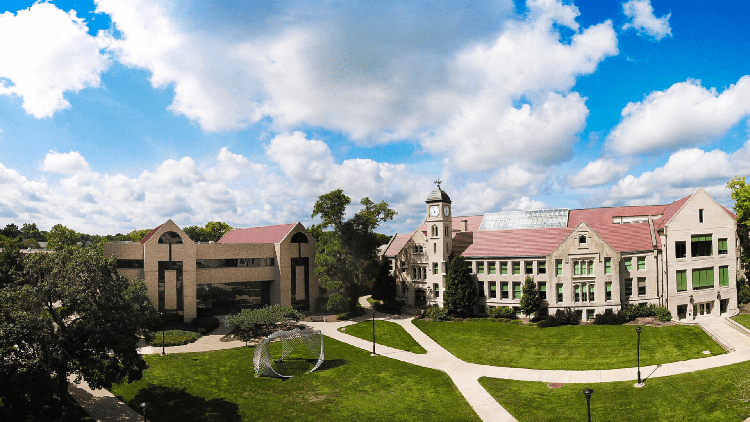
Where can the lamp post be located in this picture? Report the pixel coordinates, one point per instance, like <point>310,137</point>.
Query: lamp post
<point>373,332</point>
<point>587,392</point>
<point>638,329</point>
<point>145,405</point>
<point>163,353</point>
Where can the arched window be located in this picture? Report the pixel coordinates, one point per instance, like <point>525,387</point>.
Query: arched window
<point>299,237</point>
<point>170,237</point>
<point>434,231</point>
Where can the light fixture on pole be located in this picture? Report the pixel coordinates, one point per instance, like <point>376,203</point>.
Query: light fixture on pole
<point>145,405</point>
<point>373,332</point>
<point>587,392</point>
<point>640,383</point>
<point>163,353</point>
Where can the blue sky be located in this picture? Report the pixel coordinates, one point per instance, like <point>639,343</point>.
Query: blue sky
<point>118,115</point>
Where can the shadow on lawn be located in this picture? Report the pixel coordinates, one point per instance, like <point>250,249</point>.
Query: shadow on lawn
<point>331,363</point>
<point>175,404</point>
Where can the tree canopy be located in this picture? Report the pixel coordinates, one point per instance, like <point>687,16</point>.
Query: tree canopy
<point>384,286</point>
<point>211,232</point>
<point>346,255</point>
<point>460,290</point>
<point>61,237</point>
<point>531,301</point>
<point>740,193</point>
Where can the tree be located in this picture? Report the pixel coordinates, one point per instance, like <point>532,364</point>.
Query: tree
<point>740,193</point>
<point>30,231</point>
<point>460,290</point>
<point>212,232</point>
<point>346,255</point>
<point>384,286</point>
<point>74,314</point>
<point>531,301</point>
<point>255,322</point>
<point>10,262</point>
<point>11,231</point>
<point>61,237</point>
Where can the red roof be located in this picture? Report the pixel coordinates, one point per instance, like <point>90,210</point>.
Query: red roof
<point>600,216</point>
<point>397,244</point>
<point>266,234</point>
<point>627,237</point>
<point>151,233</point>
<point>521,242</point>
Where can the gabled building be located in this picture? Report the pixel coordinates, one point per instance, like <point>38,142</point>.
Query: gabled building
<point>683,255</point>
<point>247,267</point>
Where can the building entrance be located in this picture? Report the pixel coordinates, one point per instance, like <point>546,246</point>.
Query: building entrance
<point>420,297</point>
<point>702,308</point>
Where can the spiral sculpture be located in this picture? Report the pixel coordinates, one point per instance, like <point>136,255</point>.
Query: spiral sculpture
<point>290,341</point>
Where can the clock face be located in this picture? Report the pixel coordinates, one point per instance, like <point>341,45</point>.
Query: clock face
<point>434,211</point>
<point>447,211</point>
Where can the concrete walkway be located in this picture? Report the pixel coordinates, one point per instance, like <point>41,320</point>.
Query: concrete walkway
<point>103,406</point>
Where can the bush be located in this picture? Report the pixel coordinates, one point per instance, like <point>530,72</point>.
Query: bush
<point>502,312</point>
<point>173,338</point>
<point>566,316</point>
<point>743,296</point>
<point>609,318</point>
<point>206,324</point>
<point>663,314</point>
<point>254,321</point>
<point>549,321</point>
<point>389,308</point>
<point>436,313</point>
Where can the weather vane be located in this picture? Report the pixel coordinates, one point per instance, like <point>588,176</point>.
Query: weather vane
<point>438,182</point>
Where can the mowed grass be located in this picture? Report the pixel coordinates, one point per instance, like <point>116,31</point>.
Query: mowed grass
<point>386,333</point>
<point>743,319</point>
<point>708,395</point>
<point>350,385</point>
<point>580,347</point>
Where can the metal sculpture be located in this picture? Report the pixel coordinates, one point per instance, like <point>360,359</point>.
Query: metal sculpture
<point>263,362</point>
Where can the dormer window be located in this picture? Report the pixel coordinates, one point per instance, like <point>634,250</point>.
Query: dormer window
<point>582,240</point>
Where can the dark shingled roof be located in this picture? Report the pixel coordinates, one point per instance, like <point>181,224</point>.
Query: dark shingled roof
<point>438,195</point>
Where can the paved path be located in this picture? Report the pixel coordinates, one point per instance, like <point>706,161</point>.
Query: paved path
<point>103,406</point>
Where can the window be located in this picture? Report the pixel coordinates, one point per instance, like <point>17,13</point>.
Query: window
<point>414,273</point>
<point>493,290</point>
<point>480,288</point>
<point>445,230</point>
<point>641,286</point>
<point>608,291</point>
<point>541,267</point>
<point>589,314</point>
<point>470,266</point>
<point>424,273</point>
<point>576,269</point>
<point>516,290</point>
<point>131,263</point>
<point>558,265</point>
<point>418,249</point>
<point>724,276</point>
<point>641,263</point>
<point>392,263</point>
<point>492,267</point>
<point>434,247</point>
<point>518,311</point>
<point>577,293</point>
<point>723,247</point>
<point>629,287</point>
<point>700,216</point>
<point>584,292</point>
<point>403,266</point>
<point>680,250</point>
<point>516,267</point>
<point>434,231</point>
<point>504,290</point>
<point>681,281</point>
<point>435,268</point>
<point>503,267</point>
<point>543,291</point>
<point>591,293</point>
<point>591,267</point>
<point>628,263</point>
<point>700,245</point>
<point>607,265</point>
<point>480,267</point>
<point>559,293</point>
<point>436,289</point>
<point>582,240</point>
<point>529,267</point>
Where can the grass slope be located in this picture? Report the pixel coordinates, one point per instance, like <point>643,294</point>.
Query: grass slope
<point>386,333</point>
<point>351,385</point>
<point>743,319</point>
<point>709,395</point>
<point>581,347</point>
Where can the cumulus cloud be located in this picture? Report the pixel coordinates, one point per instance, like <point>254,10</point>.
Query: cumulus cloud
<point>599,172</point>
<point>642,19</point>
<point>684,115</point>
<point>65,163</point>
<point>44,53</point>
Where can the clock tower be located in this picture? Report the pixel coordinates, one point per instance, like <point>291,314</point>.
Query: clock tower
<point>439,228</point>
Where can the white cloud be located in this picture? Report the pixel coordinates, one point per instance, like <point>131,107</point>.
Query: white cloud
<point>684,115</point>
<point>65,163</point>
<point>599,172</point>
<point>44,53</point>
<point>642,19</point>
<point>524,204</point>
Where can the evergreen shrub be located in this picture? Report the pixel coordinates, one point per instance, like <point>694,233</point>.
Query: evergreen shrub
<point>437,314</point>
<point>502,312</point>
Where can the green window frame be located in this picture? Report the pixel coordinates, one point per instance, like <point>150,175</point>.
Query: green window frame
<point>541,267</point>
<point>724,276</point>
<point>480,267</point>
<point>591,267</point>
<point>681,280</point>
<point>723,247</point>
<point>629,287</point>
<point>628,263</point>
<point>559,293</point>
<point>591,292</point>
<point>470,266</point>
<point>703,278</point>
<point>516,290</point>
<point>608,291</point>
<point>577,293</point>
<point>493,290</point>
<point>516,267</point>
<point>576,268</point>
<point>504,290</point>
<point>504,267</point>
<point>543,290</point>
<point>492,267</point>
<point>436,289</point>
<point>641,286</point>
<point>700,245</point>
<point>607,265</point>
<point>558,264</point>
<point>529,267</point>
<point>641,263</point>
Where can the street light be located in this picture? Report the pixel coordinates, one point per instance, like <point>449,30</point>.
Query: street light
<point>640,384</point>
<point>587,392</point>
<point>373,332</point>
<point>163,353</point>
<point>145,405</point>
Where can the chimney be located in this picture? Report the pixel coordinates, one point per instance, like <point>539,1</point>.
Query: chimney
<point>464,225</point>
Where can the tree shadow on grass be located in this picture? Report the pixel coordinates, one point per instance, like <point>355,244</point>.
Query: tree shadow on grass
<point>331,363</point>
<point>176,404</point>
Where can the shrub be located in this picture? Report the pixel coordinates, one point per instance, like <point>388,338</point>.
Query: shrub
<point>609,318</point>
<point>566,316</point>
<point>743,296</point>
<point>631,312</point>
<point>663,314</point>
<point>173,338</point>
<point>206,324</point>
<point>502,312</point>
<point>253,321</point>
<point>436,313</point>
<point>549,321</point>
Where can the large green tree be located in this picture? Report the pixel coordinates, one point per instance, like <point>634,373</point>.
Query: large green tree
<point>531,301</point>
<point>740,193</point>
<point>61,237</point>
<point>460,290</point>
<point>71,313</point>
<point>384,286</point>
<point>346,255</point>
<point>211,232</point>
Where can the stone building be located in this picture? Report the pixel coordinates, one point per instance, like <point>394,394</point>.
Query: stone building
<point>247,267</point>
<point>683,255</point>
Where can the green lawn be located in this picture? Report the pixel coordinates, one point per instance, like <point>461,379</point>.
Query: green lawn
<point>386,333</point>
<point>709,395</point>
<point>351,385</point>
<point>579,347</point>
<point>743,319</point>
